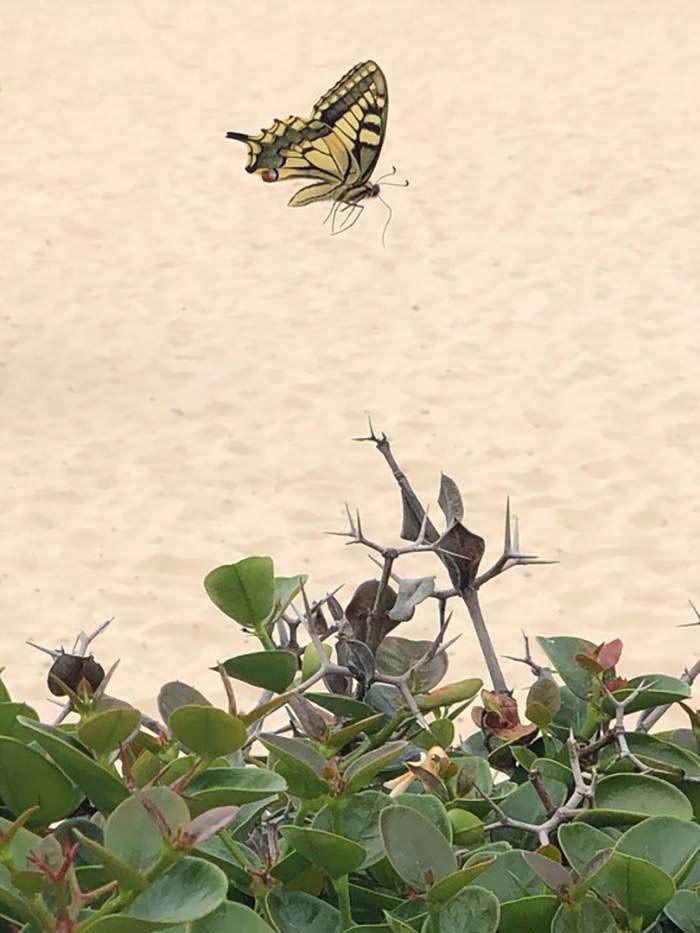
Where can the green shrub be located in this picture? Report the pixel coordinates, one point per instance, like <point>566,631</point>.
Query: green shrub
<point>363,810</point>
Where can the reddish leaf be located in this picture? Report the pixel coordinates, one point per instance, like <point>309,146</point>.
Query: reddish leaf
<point>609,654</point>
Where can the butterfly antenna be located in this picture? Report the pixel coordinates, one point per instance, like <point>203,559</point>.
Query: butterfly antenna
<point>388,175</point>
<point>397,184</point>
<point>388,220</point>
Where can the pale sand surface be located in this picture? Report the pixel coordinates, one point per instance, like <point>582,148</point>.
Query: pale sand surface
<point>184,359</point>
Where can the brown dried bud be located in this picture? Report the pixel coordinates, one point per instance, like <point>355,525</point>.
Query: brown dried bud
<point>71,669</point>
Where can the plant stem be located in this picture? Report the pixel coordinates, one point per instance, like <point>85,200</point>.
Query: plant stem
<point>264,637</point>
<point>471,600</point>
<point>342,889</point>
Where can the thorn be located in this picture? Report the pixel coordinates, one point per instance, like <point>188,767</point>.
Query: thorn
<point>508,544</point>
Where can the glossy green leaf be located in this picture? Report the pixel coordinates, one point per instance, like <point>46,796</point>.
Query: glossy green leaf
<point>270,670</point>
<point>543,700</point>
<point>331,853</point>
<point>467,829</point>
<point>510,877</point>
<point>128,877</point>
<point>133,835</point>
<point>225,919</point>
<point>663,690</point>
<point>656,754</point>
<point>340,737</point>
<point>358,821</point>
<point>430,807</point>
<point>624,799</point>
<point>417,850</point>
<point>302,765</point>
<point>641,888</point>
<point>365,768</point>
<point>27,779</point>
<point>208,731</point>
<point>220,787</point>
<point>525,804</point>
<point>294,910</point>
<point>311,660</point>
<point>684,910</point>
<point>341,706</point>
<point>21,844</point>
<point>665,841</point>
<point>580,843</point>
<point>473,910</point>
<point>562,652</point>
<point>191,889</point>
<point>175,694</point>
<point>9,724</point>
<point>244,591</point>
<point>591,916</point>
<point>462,691</point>
<point>286,589</point>
<point>528,913</point>
<point>100,785</point>
<point>104,732</point>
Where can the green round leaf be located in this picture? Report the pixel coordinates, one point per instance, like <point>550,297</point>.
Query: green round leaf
<point>191,889</point>
<point>105,731</point>
<point>295,910</point>
<point>176,693</point>
<point>101,786</point>
<point>528,913</point>
<point>562,652</point>
<point>208,731</point>
<point>665,841</point>
<point>9,724</point>
<point>591,916</point>
<point>299,763</point>
<point>132,834</point>
<point>474,908</point>
<point>509,876</point>
<point>359,821</point>
<point>367,766</point>
<point>416,849</point>
<point>221,787</point>
<point>243,591</point>
<point>270,670</point>
<point>332,854</point>
<point>230,916</point>
<point>684,910</point>
<point>630,798</point>
<point>27,779</point>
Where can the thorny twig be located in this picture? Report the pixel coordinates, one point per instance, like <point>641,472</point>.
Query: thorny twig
<point>650,717</point>
<point>618,729</point>
<point>583,792</point>
<point>510,557</point>
<point>536,668</point>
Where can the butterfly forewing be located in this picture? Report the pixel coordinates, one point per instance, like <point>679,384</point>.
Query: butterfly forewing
<point>356,106</point>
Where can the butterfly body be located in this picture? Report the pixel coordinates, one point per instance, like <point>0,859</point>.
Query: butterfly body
<point>338,146</point>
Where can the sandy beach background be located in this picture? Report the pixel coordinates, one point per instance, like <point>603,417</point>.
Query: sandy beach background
<point>184,360</point>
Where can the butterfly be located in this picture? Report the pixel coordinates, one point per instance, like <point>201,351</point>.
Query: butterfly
<point>338,146</point>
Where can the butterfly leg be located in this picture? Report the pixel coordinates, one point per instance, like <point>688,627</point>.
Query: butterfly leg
<point>352,219</point>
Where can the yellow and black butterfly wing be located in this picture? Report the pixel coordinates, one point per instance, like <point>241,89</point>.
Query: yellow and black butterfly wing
<point>338,146</point>
<point>356,107</point>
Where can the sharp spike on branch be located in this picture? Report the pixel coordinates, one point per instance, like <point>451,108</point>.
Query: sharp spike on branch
<point>507,546</point>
